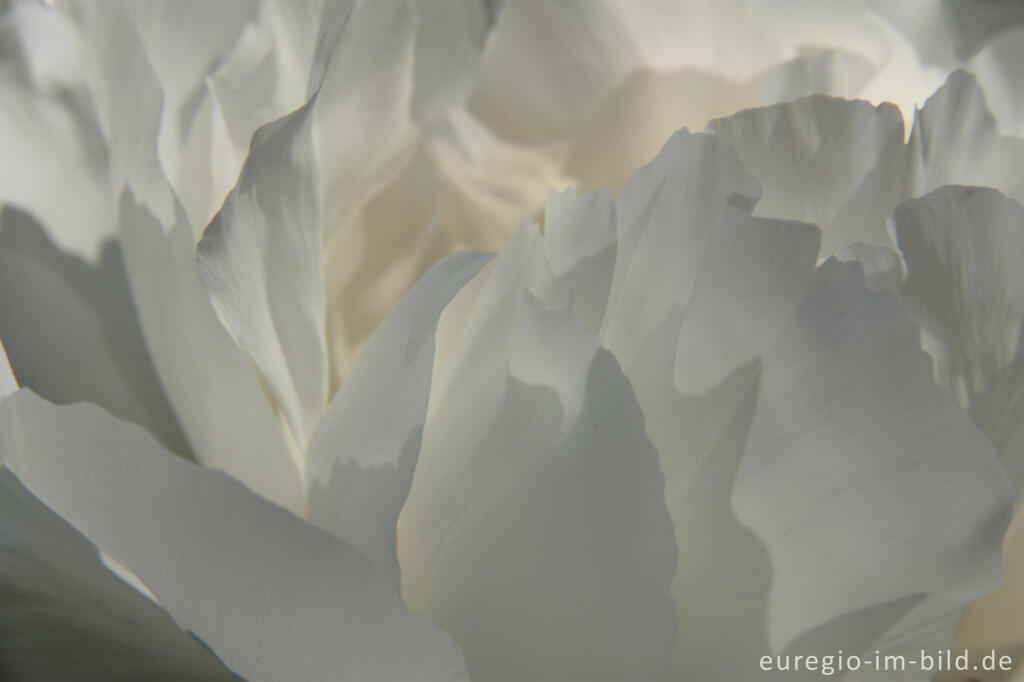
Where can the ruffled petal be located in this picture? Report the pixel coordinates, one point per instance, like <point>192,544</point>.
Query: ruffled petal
<point>785,374</point>
<point>272,596</point>
<point>838,164</point>
<point>666,215</point>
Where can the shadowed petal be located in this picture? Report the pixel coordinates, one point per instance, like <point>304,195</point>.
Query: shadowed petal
<point>536,531</point>
<point>362,456</point>
<point>261,263</point>
<point>274,597</point>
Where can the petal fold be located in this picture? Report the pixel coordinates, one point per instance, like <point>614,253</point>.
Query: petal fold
<point>261,264</point>
<point>362,456</point>
<point>536,531</point>
<point>213,388</point>
<point>274,597</point>
<point>66,617</point>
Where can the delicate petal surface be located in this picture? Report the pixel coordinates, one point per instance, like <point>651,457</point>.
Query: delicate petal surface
<point>261,264</point>
<point>209,381</point>
<point>997,69</point>
<point>964,250</point>
<point>536,531</point>
<point>956,141</point>
<point>71,330</point>
<point>48,132</point>
<point>274,597</point>
<point>362,456</point>
<point>848,423</point>
<point>972,23</point>
<point>834,163</point>
<point>784,375</point>
<point>666,215</point>
<point>374,58</point>
<point>66,617</point>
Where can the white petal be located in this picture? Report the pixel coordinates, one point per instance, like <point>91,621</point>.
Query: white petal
<point>742,296</point>
<point>831,162</point>
<point>580,245</point>
<point>274,597</point>
<point>883,267</point>
<point>398,238</point>
<point>66,617</point>
<point>925,24</point>
<point>276,64</point>
<point>181,67</point>
<point>487,185</point>
<point>641,113</point>
<point>361,138</point>
<point>129,100</point>
<point>208,379</point>
<point>851,434</point>
<point>996,68</point>
<point>806,373</point>
<point>955,141</point>
<point>596,45</point>
<point>518,92</point>
<point>997,620</point>
<point>365,137</point>
<point>55,164</point>
<point>449,37</point>
<point>536,531</point>
<point>838,73</point>
<point>723,574</point>
<point>8,384</point>
<point>902,79</point>
<point>637,116</point>
<point>666,215</point>
<point>973,23</point>
<point>964,250</point>
<point>71,330</point>
<point>261,264</point>
<point>361,458</point>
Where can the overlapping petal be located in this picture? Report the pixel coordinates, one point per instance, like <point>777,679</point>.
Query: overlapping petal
<point>361,459</point>
<point>49,133</point>
<point>210,383</point>
<point>536,532</point>
<point>260,260</point>
<point>655,401</point>
<point>88,345</point>
<point>784,374</point>
<point>274,597</point>
<point>66,616</point>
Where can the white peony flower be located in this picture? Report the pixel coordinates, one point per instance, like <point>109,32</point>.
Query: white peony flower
<point>659,438</point>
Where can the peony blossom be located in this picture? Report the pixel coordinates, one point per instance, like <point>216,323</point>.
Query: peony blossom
<point>262,417</point>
